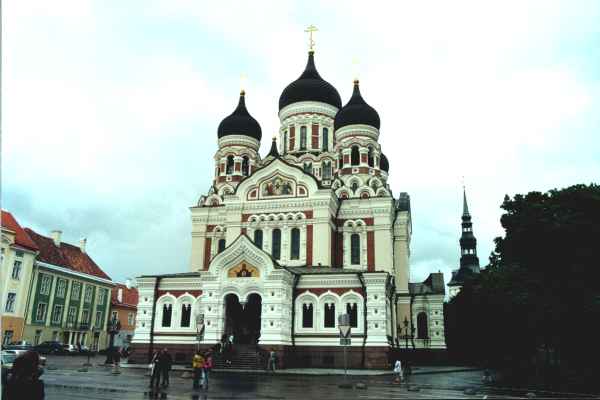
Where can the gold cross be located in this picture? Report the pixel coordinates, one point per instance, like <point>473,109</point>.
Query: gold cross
<point>311,42</point>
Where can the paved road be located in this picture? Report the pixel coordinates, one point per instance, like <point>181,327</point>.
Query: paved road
<point>65,382</point>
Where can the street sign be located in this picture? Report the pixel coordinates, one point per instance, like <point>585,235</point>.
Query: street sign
<point>345,341</point>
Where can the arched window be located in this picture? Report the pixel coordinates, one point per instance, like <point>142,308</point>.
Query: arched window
<point>295,245</point>
<point>355,248</point>
<point>302,138</point>
<point>325,139</point>
<point>229,167</point>
<point>355,156</point>
<point>340,162</point>
<point>370,158</point>
<point>276,244</point>
<point>258,238</point>
<point>354,186</point>
<point>326,169</point>
<point>308,167</point>
<point>285,142</point>
<point>307,316</point>
<point>329,312</point>
<point>166,315</point>
<point>221,245</point>
<point>245,166</point>
<point>352,310</point>
<point>186,313</point>
<point>422,331</point>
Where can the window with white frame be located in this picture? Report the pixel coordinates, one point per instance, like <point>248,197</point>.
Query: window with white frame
<point>101,296</point>
<point>355,249</point>
<point>85,317</point>
<point>71,315</point>
<point>40,313</point>
<point>352,310</point>
<point>166,315</point>
<point>258,238</point>
<point>98,323</point>
<point>16,272</point>
<point>56,314</point>
<point>131,318</point>
<point>7,337</point>
<point>295,244</point>
<point>307,315</point>
<point>61,288</point>
<point>76,290</point>
<point>114,315</point>
<point>186,314</point>
<point>329,315</point>
<point>45,283</point>
<point>88,294</point>
<point>38,337</point>
<point>11,298</point>
<point>276,244</point>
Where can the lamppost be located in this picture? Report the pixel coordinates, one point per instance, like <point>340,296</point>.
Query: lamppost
<point>406,331</point>
<point>114,326</point>
<point>345,340</point>
<point>199,329</point>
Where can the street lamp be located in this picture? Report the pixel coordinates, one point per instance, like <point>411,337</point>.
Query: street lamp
<point>406,330</point>
<point>345,338</point>
<point>114,326</point>
<point>199,328</point>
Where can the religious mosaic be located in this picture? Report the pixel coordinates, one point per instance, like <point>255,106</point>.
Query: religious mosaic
<point>277,186</point>
<point>243,270</point>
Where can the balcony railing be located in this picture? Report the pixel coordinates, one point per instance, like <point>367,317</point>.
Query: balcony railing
<point>84,326</point>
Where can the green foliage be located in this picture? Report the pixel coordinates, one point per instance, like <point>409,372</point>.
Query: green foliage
<point>541,289</point>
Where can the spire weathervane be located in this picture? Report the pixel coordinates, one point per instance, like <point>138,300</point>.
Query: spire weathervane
<point>311,42</point>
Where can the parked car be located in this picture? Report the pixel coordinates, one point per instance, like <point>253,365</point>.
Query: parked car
<point>70,349</point>
<point>50,347</point>
<point>17,353</point>
<point>84,349</point>
<point>8,359</point>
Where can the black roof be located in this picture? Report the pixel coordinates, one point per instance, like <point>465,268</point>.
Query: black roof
<point>356,111</point>
<point>384,164</point>
<point>310,87</point>
<point>273,152</point>
<point>240,122</point>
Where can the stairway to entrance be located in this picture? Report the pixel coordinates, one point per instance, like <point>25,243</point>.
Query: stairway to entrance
<point>244,356</point>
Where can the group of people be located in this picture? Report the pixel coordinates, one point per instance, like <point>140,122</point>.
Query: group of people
<point>202,364</point>
<point>160,366</point>
<point>23,381</point>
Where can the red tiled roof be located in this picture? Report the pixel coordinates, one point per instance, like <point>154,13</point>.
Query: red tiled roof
<point>66,255</point>
<point>21,237</point>
<point>130,296</point>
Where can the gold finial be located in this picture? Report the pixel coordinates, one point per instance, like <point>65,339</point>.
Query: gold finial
<point>311,42</point>
<point>243,79</point>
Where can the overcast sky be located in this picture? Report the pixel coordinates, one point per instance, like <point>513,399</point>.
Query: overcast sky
<point>110,109</point>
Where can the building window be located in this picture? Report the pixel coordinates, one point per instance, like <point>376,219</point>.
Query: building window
<point>75,290</point>
<point>302,138</point>
<point>38,337</point>
<point>7,338</point>
<point>71,315</point>
<point>186,313</point>
<point>221,245</point>
<point>307,316</point>
<point>258,238</point>
<point>229,165</point>
<point>245,166</point>
<point>46,282</point>
<point>340,162</point>
<point>295,245</point>
<point>355,249</point>
<point>88,294</point>
<point>40,313</point>
<point>307,167</point>
<point>19,253</point>
<point>352,310</point>
<point>166,315</point>
<point>326,169</point>
<point>422,331</point>
<point>85,317</point>
<point>276,244</point>
<point>61,287</point>
<point>325,139</point>
<point>56,314</point>
<point>354,156</point>
<point>114,315</point>
<point>285,142</point>
<point>370,157</point>
<point>329,315</point>
<point>10,302</point>
<point>98,323</point>
<point>16,272</point>
<point>131,318</point>
<point>101,297</point>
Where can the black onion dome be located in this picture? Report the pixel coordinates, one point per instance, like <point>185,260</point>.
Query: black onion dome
<point>240,122</point>
<point>384,164</point>
<point>357,111</point>
<point>310,87</point>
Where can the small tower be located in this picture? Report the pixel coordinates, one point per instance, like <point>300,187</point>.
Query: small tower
<point>469,262</point>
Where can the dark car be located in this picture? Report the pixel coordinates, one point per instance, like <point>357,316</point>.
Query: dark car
<point>49,348</point>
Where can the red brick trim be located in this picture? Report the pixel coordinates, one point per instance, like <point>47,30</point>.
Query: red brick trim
<point>315,136</point>
<point>243,231</point>
<point>207,246</point>
<point>309,245</point>
<point>292,138</point>
<point>370,251</point>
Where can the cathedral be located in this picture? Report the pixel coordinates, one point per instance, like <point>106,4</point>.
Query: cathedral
<point>283,244</point>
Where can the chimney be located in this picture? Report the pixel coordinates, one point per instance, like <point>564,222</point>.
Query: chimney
<point>56,236</point>
<point>82,243</point>
<point>120,295</point>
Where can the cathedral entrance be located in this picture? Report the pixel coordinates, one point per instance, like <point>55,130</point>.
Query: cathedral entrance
<point>243,319</point>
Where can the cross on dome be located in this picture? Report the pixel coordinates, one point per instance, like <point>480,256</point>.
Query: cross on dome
<point>311,42</point>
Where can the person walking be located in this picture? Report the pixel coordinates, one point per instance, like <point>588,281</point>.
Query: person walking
<point>154,371</point>
<point>398,372</point>
<point>197,365</point>
<point>165,361</point>
<point>272,361</point>
<point>24,381</point>
<point>208,364</point>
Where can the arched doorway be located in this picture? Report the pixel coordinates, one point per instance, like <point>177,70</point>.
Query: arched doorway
<point>243,319</point>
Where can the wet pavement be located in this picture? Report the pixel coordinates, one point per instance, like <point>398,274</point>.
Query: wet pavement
<point>64,381</point>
